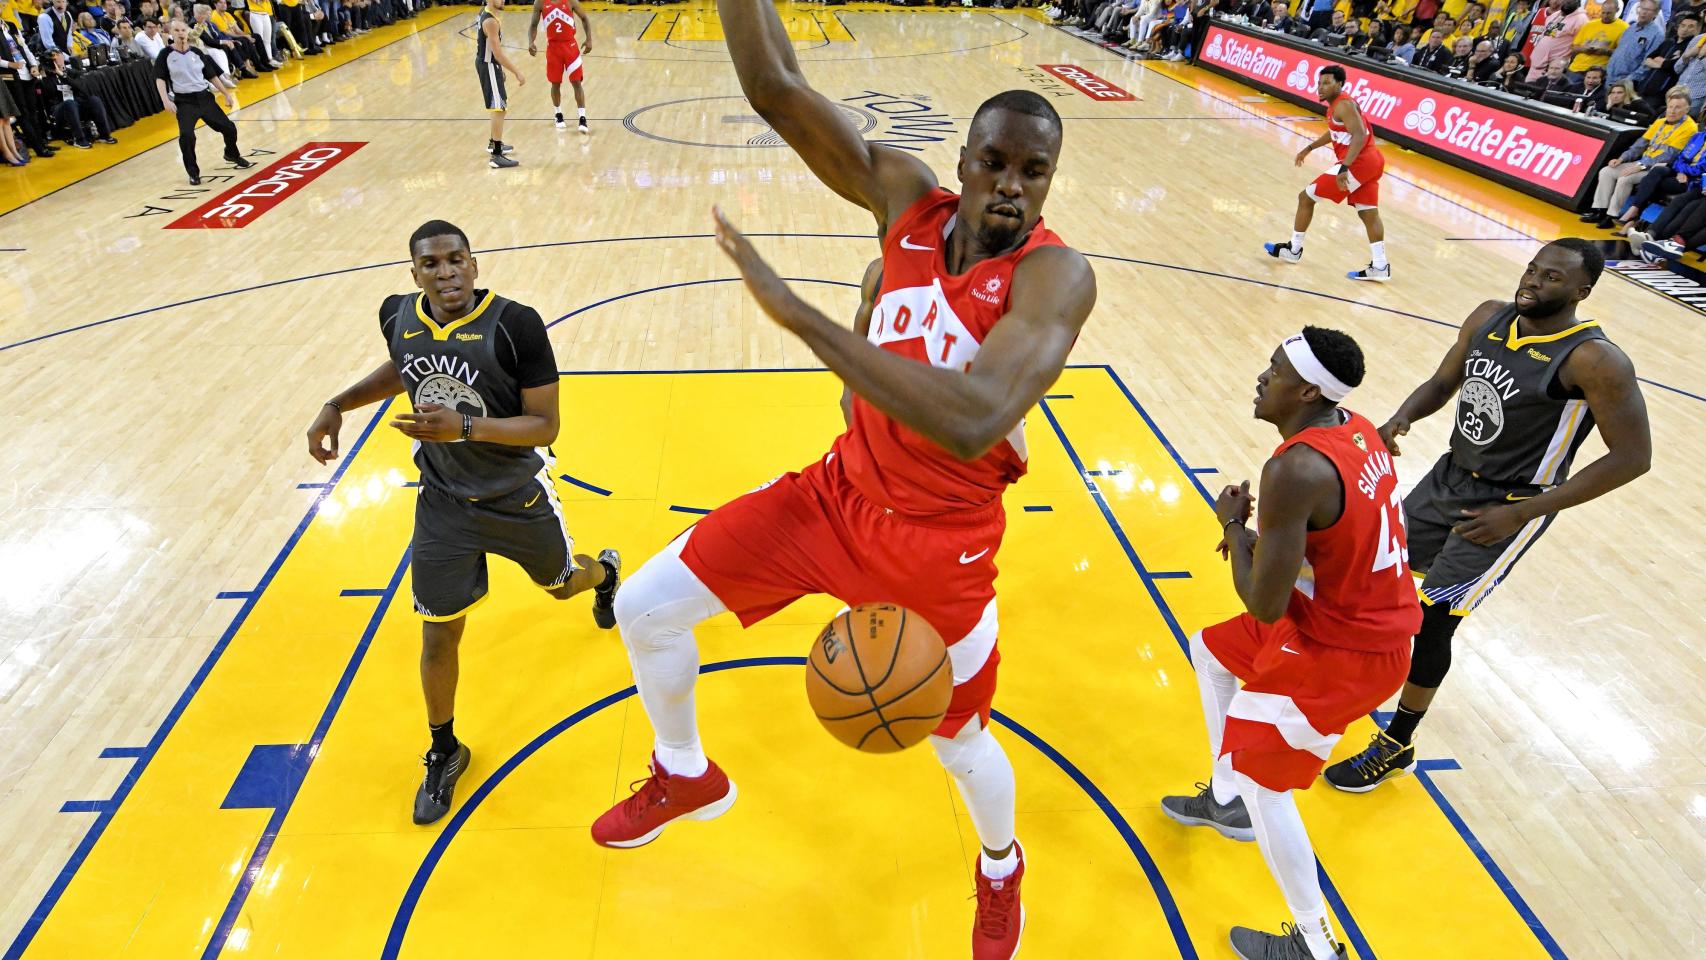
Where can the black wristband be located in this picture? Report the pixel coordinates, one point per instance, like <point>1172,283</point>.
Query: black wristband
<point>467,426</point>
<point>334,405</point>
<point>1229,523</point>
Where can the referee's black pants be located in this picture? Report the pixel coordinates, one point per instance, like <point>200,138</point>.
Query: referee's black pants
<point>201,106</point>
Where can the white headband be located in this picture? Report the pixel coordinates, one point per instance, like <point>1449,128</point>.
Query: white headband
<point>1310,369</point>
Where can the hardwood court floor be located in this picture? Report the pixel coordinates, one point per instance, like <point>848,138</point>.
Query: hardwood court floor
<point>157,383</point>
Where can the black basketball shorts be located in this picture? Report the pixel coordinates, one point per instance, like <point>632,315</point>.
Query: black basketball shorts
<point>492,90</point>
<point>1453,570</point>
<point>453,536</point>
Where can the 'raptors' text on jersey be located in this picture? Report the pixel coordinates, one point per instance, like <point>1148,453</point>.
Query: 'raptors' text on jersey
<point>926,313</point>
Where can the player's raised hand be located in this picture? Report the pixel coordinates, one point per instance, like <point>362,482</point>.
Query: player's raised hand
<point>1391,430</point>
<point>1234,503</point>
<point>767,288</point>
<point>325,428</point>
<point>430,422</point>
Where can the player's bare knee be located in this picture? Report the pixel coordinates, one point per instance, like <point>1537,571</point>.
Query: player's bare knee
<point>441,637</point>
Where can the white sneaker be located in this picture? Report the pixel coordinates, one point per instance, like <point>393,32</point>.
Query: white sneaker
<point>1637,237</point>
<point>1283,252</point>
<point>1372,272</point>
<point>562,124</point>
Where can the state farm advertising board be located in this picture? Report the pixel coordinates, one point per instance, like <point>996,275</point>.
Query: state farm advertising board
<point>1552,160</point>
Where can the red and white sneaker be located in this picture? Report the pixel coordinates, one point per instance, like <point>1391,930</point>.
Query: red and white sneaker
<point>1000,915</point>
<point>660,800</point>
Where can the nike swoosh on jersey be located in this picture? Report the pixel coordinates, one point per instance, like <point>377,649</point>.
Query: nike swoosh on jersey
<point>1494,336</point>
<point>532,502</point>
<point>907,244</point>
<point>1290,650</point>
<point>975,556</point>
<point>414,333</point>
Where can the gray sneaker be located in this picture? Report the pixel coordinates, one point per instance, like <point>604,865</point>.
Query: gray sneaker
<point>604,595</point>
<point>1231,820</point>
<point>498,161</point>
<point>1286,945</point>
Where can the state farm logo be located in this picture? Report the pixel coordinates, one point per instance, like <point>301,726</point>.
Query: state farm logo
<point>1421,119</point>
<point>1300,77</point>
<point>243,204</point>
<point>1213,51</point>
<point>989,291</point>
<point>1086,82</point>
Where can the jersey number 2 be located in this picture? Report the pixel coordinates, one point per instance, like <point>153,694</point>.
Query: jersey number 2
<point>1391,550</point>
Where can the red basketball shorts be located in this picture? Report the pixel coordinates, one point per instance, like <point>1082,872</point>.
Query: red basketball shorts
<point>563,56</point>
<point>813,532</point>
<point>1299,695</point>
<point>1364,182</point>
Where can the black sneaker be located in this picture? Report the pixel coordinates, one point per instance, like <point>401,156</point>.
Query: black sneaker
<point>1200,810</point>
<point>1385,759</point>
<point>1591,215</point>
<point>240,163</point>
<point>1288,944</point>
<point>195,179</point>
<point>432,800</point>
<point>108,139</point>
<point>583,126</point>
<point>604,595</point>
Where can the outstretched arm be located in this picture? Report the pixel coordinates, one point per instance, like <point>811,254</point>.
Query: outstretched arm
<point>586,26</point>
<point>1437,390</point>
<point>862,324</point>
<point>533,29</point>
<point>881,180</point>
<point>964,412</point>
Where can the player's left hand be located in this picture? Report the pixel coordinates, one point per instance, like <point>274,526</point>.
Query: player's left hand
<point>1234,503</point>
<point>767,288</point>
<point>532,50</point>
<point>1344,181</point>
<point>430,422</point>
<point>1490,525</point>
<point>587,46</point>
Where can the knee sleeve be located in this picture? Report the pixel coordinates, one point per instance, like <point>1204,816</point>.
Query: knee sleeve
<point>967,752</point>
<point>663,601</point>
<point>1430,659</point>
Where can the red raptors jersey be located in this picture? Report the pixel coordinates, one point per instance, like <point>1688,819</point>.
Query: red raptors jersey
<point>1341,134</point>
<point>926,313</point>
<point>1355,589</point>
<point>559,21</point>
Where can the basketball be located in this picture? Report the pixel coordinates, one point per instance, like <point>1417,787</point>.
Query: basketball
<point>878,678</point>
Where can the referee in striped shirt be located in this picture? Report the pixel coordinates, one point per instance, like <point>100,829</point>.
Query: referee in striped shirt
<point>187,78</point>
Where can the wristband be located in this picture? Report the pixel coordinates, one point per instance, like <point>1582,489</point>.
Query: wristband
<point>1230,523</point>
<point>334,405</point>
<point>467,426</point>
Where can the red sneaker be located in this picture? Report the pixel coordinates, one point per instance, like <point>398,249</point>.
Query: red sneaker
<point>1000,915</point>
<point>660,800</point>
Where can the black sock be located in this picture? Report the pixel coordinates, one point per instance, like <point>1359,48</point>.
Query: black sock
<point>559,114</point>
<point>1403,725</point>
<point>609,576</point>
<point>444,736</point>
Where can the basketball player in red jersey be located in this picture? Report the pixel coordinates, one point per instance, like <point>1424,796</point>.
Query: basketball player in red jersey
<point>1326,638</point>
<point>562,53</point>
<point>1355,179</point>
<point>977,307</point>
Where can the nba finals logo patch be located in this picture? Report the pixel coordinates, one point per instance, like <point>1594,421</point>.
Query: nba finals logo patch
<point>243,204</point>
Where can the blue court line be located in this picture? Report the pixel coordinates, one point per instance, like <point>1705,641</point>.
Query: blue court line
<point>705,236</point>
<point>1057,396</point>
<point>1103,473</point>
<point>584,485</point>
<point>1171,574</point>
<point>695,510</point>
<point>311,486</point>
<point>38,916</point>
<point>1196,470</point>
<point>1039,509</point>
<point>257,860</point>
<point>1353,932</point>
<point>362,592</point>
<point>234,595</point>
<point>417,884</point>
<point>121,753</point>
<point>269,777</point>
<point>1423,769</point>
<point>410,483</point>
<point>1468,836</point>
<point>685,283</point>
<point>85,806</point>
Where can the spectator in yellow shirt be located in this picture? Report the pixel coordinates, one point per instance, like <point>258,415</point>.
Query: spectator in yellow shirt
<point>1595,41</point>
<point>1662,141</point>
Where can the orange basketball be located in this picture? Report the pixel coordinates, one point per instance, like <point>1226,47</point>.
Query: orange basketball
<point>878,678</point>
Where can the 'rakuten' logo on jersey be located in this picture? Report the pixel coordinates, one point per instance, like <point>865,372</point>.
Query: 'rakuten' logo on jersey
<point>241,205</point>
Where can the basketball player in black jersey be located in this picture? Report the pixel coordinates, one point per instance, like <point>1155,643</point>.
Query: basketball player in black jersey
<point>1532,380</point>
<point>490,62</point>
<point>483,381</point>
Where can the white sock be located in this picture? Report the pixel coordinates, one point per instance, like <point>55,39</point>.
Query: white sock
<point>580,112</point>
<point>1217,686</point>
<point>1297,240</point>
<point>656,610</point>
<point>1285,846</point>
<point>983,773</point>
<point>1377,249</point>
<point>999,869</point>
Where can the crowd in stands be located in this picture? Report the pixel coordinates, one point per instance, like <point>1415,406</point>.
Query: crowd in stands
<point>46,45</point>
<point>1640,62</point>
